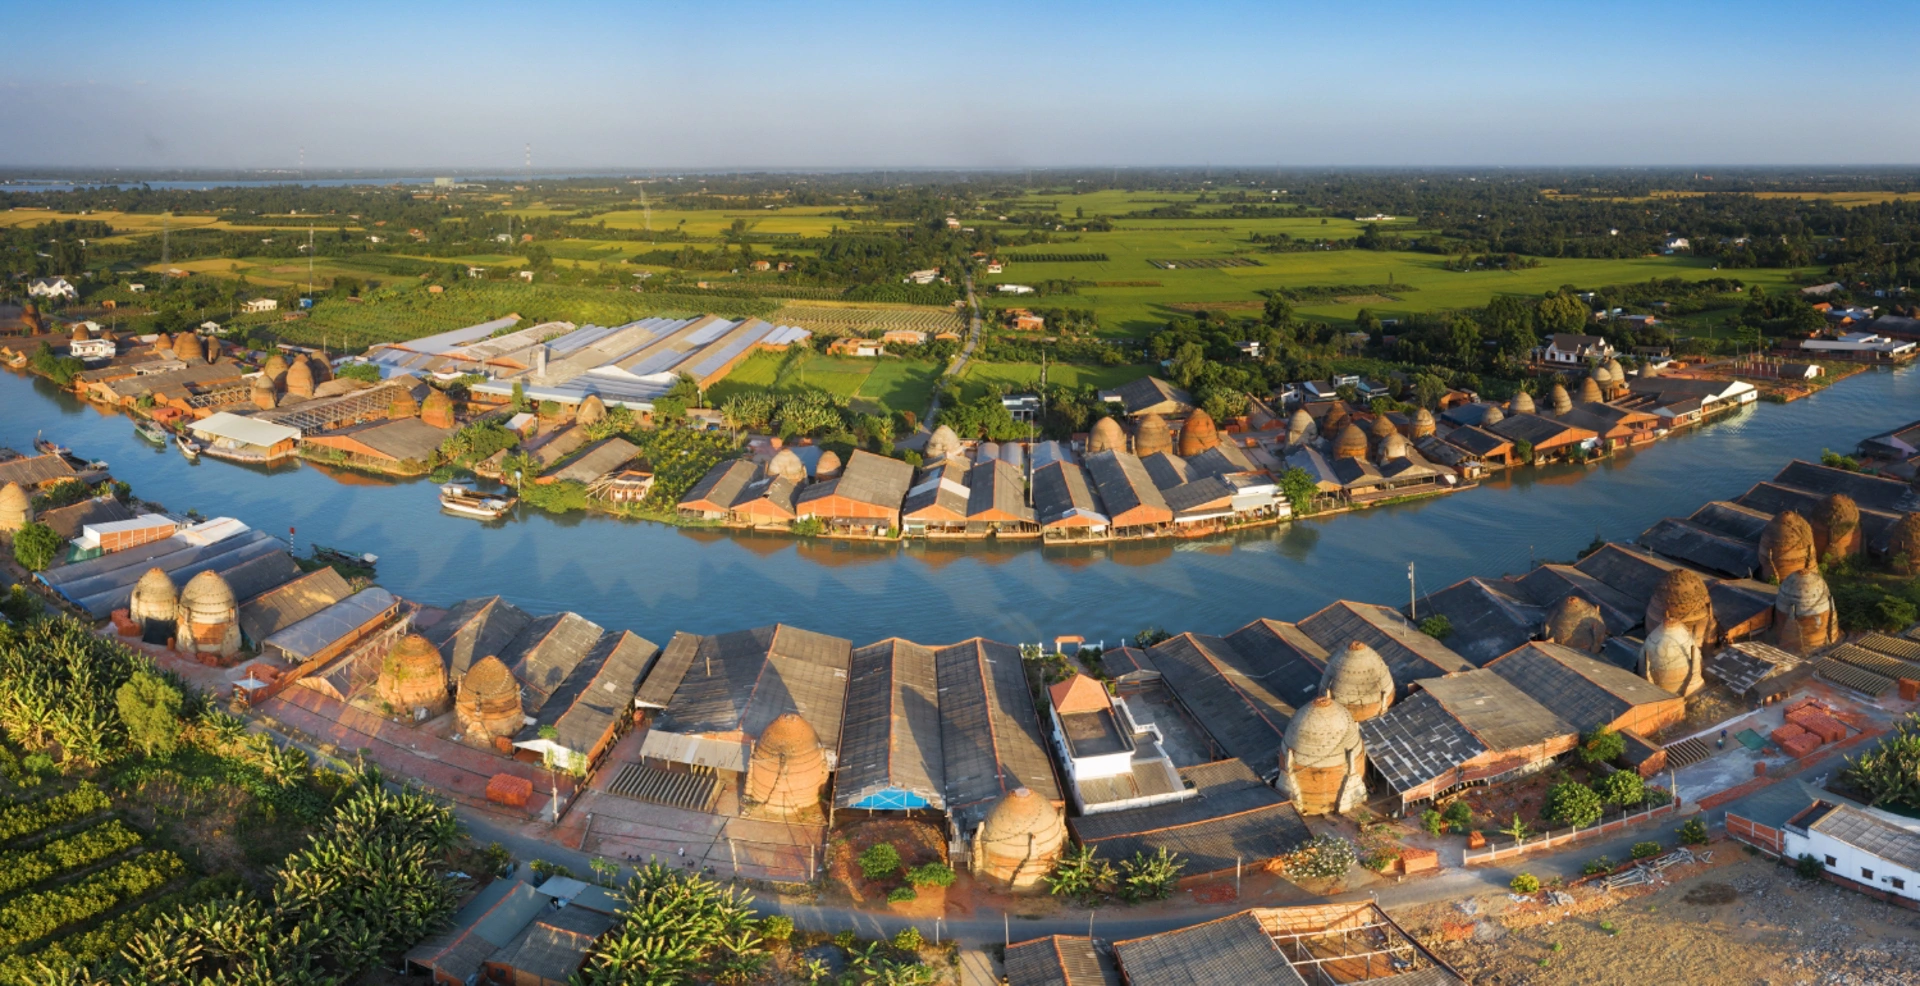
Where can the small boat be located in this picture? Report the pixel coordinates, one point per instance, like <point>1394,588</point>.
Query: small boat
<point>473,503</point>
<point>188,447</point>
<point>334,556</point>
<point>151,432</point>
<point>45,447</point>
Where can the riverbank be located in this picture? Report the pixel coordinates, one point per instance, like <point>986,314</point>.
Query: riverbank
<point>655,578</point>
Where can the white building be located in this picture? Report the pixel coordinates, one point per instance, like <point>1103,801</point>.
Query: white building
<point>51,287</point>
<point>1013,289</point>
<point>1675,245</point>
<point>1568,349</point>
<point>923,276</point>
<point>137,288</point>
<point>97,344</point>
<point>1112,762</point>
<point>258,305</point>
<point>1859,848</point>
<point>1864,343</point>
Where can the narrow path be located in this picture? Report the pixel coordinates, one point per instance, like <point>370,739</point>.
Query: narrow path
<point>959,362</point>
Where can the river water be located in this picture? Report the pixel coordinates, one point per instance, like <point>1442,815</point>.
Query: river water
<point>655,579</point>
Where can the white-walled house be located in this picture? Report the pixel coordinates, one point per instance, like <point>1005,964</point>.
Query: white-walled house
<point>1858,849</point>
<point>51,287</point>
<point>1568,349</point>
<point>1112,762</point>
<point>257,305</point>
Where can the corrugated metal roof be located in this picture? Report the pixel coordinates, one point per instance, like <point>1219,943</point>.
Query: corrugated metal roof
<point>1410,654</point>
<point>1234,816</point>
<point>990,734</point>
<point>1871,835</point>
<point>1061,493</point>
<point>1060,960</point>
<point>743,680</point>
<point>1500,714</point>
<point>282,606</point>
<point>1703,547</point>
<point>997,489</point>
<point>1228,696</point>
<point>891,739</point>
<point>316,633</point>
<point>1489,618</point>
<point>597,693</point>
<point>1586,692</point>
<point>230,427</point>
<point>1416,741</point>
<point>473,629</point>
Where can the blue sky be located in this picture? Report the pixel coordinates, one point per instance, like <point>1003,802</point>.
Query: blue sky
<point>769,85</point>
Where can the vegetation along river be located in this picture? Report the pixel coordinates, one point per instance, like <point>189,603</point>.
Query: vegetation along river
<point>656,579</point>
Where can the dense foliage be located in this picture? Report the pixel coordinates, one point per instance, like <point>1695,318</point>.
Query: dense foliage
<point>675,928</point>
<point>1889,774</point>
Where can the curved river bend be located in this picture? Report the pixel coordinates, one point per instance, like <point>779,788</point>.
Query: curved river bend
<point>656,579</point>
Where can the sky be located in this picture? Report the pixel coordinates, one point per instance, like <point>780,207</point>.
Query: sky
<point>722,85</point>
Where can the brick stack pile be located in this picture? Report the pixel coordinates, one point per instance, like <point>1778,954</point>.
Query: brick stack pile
<point>507,789</point>
<point>1795,741</point>
<point>1809,725</point>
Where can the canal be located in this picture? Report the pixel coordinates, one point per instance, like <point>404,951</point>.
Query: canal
<point>656,579</point>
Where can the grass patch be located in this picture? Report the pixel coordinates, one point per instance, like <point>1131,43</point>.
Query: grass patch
<point>980,379</point>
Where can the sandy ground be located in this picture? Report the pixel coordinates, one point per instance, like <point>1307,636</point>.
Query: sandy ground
<point>1740,921</point>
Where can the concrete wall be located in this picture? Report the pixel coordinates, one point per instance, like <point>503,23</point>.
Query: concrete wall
<point>1856,866</point>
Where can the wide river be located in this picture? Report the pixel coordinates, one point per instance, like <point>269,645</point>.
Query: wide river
<point>656,579</point>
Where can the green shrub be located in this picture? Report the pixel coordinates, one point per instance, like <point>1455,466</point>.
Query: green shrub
<point>931,875</point>
<point>845,939</point>
<point>776,929</point>
<point>1602,744</point>
<point>1573,803</point>
<point>1596,866</point>
<point>898,894</point>
<point>1693,832</point>
<point>1646,850</point>
<point>1809,866</point>
<point>1437,627</point>
<point>1460,816</point>
<point>908,940</point>
<point>881,860</point>
<point>1622,787</point>
<point>36,545</point>
<point>1434,822</point>
<point>1525,883</point>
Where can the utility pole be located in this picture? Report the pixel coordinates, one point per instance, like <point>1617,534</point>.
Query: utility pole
<point>1412,596</point>
<point>166,230</point>
<point>309,262</point>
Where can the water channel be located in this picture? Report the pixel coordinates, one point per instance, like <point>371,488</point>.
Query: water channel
<point>656,579</point>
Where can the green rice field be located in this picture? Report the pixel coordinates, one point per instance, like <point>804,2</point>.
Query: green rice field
<point>980,379</point>
<point>871,384</point>
<point>1133,309</point>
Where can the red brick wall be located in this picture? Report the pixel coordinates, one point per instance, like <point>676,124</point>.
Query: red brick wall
<point>1768,840</point>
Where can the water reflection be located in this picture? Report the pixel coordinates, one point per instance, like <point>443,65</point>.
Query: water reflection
<point>657,579</point>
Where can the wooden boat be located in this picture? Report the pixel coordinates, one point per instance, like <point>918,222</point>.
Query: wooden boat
<point>188,447</point>
<point>345,559</point>
<point>472,503</point>
<point>44,447</point>
<point>148,431</point>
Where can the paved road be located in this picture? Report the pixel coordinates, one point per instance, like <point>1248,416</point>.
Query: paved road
<point>1117,922</point>
<point>959,362</point>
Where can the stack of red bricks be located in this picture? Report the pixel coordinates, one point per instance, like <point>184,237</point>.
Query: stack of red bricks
<point>1797,742</point>
<point>507,789</point>
<point>124,624</point>
<point>1415,860</point>
<point>1819,723</point>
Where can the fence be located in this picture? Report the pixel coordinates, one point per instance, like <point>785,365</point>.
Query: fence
<point>1550,839</point>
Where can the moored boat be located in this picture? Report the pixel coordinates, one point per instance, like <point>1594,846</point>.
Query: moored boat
<point>473,503</point>
<point>188,447</point>
<point>44,447</point>
<point>148,431</point>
